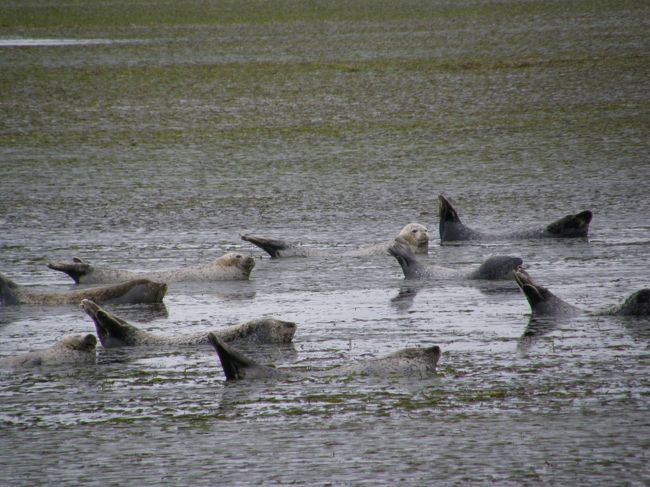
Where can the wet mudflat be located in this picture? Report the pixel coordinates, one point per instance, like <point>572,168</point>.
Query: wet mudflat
<point>334,127</point>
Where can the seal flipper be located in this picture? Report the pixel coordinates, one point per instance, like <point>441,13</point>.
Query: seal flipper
<point>450,226</point>
<point>271,246</point>
<point>235,365</point>
<point>76,270</point>
<point>401,250</point>
<point>8,290</point>
<point>113,332</point>
<point>541,300</point>
<point>571,226</point>
<point>497,267</point>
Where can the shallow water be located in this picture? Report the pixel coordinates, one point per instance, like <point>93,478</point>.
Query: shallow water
<point>335,134</point>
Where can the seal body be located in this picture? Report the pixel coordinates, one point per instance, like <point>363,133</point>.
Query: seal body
<point>544,303</point>
<point>494,268</point>
<point>133,291</point>
<point>71,350</point>
<point>453,229</point>
<point>230,266</point>
<point>408,362</point>
<point>115,332</point>
<point>414,234</point>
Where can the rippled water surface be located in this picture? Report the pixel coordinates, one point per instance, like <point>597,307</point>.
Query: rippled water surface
<point>335,133</point>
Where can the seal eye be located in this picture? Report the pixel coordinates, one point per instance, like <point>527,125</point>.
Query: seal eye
<point>414,231</point>
<point>238,256</point>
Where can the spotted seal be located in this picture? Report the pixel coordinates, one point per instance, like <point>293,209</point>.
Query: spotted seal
<point>452,229</point>
<point>494,268</point>
<point>415,234</point>
<point>229,267</point>
<point>71,350</point>
<point>115,332</point>
<point>409,362</point>
<point>544,303</point>
<point>133,291</point>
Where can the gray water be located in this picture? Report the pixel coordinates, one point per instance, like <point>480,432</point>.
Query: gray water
<point>348,132</point>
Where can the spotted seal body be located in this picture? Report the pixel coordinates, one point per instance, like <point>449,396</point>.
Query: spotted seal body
<point>133,291</point>
<point>409,362</point>
<point>115,332</point>
<point>230,266</point>
<point>494,268</point>
<point>71,350</point>
<point>452,229</point>
<point>416,235</point>
<point>544,303</point>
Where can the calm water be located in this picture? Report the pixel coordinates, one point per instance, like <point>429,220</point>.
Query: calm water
<point>337,141</point>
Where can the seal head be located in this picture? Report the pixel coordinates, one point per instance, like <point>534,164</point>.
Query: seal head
<point>571,226</point>
<point>638,304</point>
<point>244,263</point>
<point>417,236</point>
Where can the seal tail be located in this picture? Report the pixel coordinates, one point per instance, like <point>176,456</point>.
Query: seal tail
<point>571,226</point>
<point>447,213</point>
<point>534,293</point>
<point>401,250</point>
<point>8,290</point>
<point>269,245</point>
<point>234,364</point>
<point>75,269</point>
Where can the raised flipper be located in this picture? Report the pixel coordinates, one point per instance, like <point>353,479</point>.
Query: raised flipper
<point>75,269</point>
<point>8,289</point>
<point>401,250</point>
<point>274,247</point>
<point>541,300</point>
<point>237,366</point>
<point>451,228</point>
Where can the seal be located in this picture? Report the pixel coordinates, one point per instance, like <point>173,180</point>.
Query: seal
<point>134,291</point>
<point>494,268</point>
<point>71,350</point>
<point>452,229</point>
<point>544,303</point>
<point>409,362</point>
<point>115,332</point>
<point>415,234</point>
<point>229,267</point>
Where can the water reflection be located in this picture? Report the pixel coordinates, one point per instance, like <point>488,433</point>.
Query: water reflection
<point>403,301</point>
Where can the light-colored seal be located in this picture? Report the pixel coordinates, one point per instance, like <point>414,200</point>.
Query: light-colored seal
<point>134,291</point>
<point>544,303</point>
<point>229,267</point>
<point>452,229</point>
<point>71,350</point>
<point>494,268</point>
<point>115,332</point>
<point>409,362</point>
<point>416,235</point>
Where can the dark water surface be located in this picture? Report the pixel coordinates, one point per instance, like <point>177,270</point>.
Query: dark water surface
<point>158,153</point>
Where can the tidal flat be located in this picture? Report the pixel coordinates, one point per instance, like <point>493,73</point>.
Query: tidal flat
<point>150,136</point>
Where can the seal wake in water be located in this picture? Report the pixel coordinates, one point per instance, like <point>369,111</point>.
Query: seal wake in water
<point>134,291</point>
<point>229,267</point>
<point>71,350</point>
<point>452,229</point>
<point>416,236</point>
<point>544,303</point>
<point>114,332</point>
<point>494,268</point>
<point>409,362</point>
